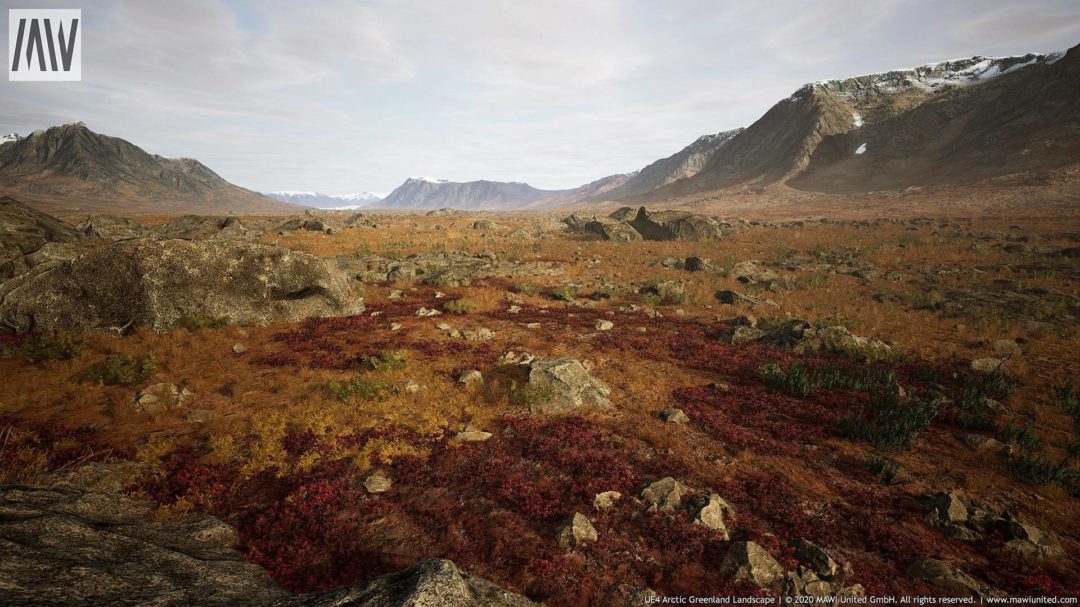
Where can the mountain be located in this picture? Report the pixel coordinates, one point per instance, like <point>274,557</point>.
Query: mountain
<point>70,168</point>
<point>430,193</point>
<point>945,123</point>
<point>684,163</point>
<point>327,201</point>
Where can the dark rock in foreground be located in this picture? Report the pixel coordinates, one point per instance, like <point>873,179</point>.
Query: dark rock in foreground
<point>72,545</point>
<point>154,284</point>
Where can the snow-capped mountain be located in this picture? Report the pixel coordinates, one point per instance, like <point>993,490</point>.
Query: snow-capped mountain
<point>327,201</point>
<point>948,122</point>
<point>10,137</point>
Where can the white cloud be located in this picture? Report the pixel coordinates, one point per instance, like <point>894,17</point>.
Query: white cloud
<point>340,96</point>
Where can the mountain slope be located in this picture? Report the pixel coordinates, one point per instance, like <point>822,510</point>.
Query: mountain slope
<point>71,168</point>
<point>327,201</point>
<point>428,193</point>
<point>684,163</point>
<point>949,122</point>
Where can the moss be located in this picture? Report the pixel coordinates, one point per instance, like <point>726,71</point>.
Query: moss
<point>122,370</point>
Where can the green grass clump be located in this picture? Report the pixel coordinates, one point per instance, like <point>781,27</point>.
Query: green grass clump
<point>47,346</point>
<point>359,388</point>
<point>889,421</point>
<point>386,360</point>
<point>527,288</point>
<point>565,293</point>
<point>886,469</point>
<point>459,306</point>
<point>122,370</point>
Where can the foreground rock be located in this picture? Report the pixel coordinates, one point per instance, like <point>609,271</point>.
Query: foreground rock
<point>626,224</point>
<point>78,545</point>
<point>111,228</point>
<point>562,385</point>
<point>154,284</point>
<point>24,230</point>
<point>749,561</point>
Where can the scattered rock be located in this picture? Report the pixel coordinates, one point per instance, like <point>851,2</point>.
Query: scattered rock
<point>839,340</point>
<point>604,325</point>
<point>673,415</point>
<point>746,335</point>
<point>664,495</point>
<point>160,397</point>
<point>815,557</point>
<point>988,366</point>
<point>713,512</point>
<point>945,576</point>
<point>697,264</point>
<point>470,377</point>
<point>239,348</point>
<point>606,500</point>
<point>577,531</point>
<point>565,386</point>
<point>749,561</point>
<point>377,483</point>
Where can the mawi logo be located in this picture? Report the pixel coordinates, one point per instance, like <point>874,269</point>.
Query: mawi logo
<point>45,44</point>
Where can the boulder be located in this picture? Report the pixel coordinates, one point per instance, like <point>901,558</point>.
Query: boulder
<point>988,366</point>
<point>24,230</point>
<point>624,214</point>
<point>604,325</point>
<point>676,225</point>
<point>945,576</point>
<point>713,512</point>
<point>745,335</point>
<point>749,561</point>
<point>664,495</point>
<point>203,227</point>
<point>674,415</point>
<point>111,228</point>
<point>377,482</point>
<point>577,221</point>
<point>606,499</point>
<point>617,231</point>
<point>816,559</point>
<point>80,543</point>
<point>565,386</point>
<point>838,340</point>
<point>697,264</point>
<point>160,397</point>
<point>156,283</point>
<point>577,531</point>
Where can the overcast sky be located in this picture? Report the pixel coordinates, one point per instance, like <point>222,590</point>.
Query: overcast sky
<point>343,97</point>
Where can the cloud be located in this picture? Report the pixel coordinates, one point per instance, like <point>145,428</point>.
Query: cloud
<point>344,96</point>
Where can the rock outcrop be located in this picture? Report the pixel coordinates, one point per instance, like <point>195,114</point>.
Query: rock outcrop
<point>562,385</point>
<point>155,284</point>
<point>77,543</point>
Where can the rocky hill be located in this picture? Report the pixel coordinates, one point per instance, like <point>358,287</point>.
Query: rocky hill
<point>429,193</point>
<point>945,123</point>
<point>70,168</point>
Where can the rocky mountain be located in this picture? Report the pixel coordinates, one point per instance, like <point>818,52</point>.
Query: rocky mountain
<point>429,193</point>
<point>687,162</point>
<point>327,201</point>
<point>70,168</point>
<point>943,123</point>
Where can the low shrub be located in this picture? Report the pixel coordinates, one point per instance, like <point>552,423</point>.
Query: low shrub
<point>889,421</point>
<point>459,306</point>
<point>565,293</point>
<point>527,288</point>
<point>47,346</point>
<point>386,360</point>
<point>122,370</point>
<point>886,469</point>
<point>359,388</point>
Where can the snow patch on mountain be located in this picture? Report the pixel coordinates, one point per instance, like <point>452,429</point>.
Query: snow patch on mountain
<point>9,138</point>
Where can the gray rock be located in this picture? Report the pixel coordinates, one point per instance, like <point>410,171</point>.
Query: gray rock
<point>676,225</point>
<point>608,229</point>
<point>566,386</point>
<point>111,228</point>
<point>377,482</point>
<point>749,561</point>
<point>154,284</point>
<point>24,230</point>
<point>815,557</point>
<point>606,499</point>
<point>604,325</point>
<point>746,335</point>
<point>577,531</point>
<point>470,376</point>
<point>664,495</point>
<point>674,415</point>
<point>945,576</point>
<point>713,512</point>
<point>838,340</point>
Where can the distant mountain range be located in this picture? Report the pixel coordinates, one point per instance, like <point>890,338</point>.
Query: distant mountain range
<point>941,124</point>
<point>327,201</point>
<point>71,168</point>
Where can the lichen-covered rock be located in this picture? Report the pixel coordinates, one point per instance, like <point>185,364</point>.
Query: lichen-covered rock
<point>562,385</point>
<point>156,283</point>
<point>203,227</point>
<point>664,495</point>
<point>945,576</point>
<point>713,512</point>
<point>749,561</point>
<point>838,340</point>
<point>609,229</point>
<point>111,228</point>
<point>676,225</point>
<point>577,531</point>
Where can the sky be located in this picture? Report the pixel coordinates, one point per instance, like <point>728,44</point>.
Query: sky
<point>341,97</point>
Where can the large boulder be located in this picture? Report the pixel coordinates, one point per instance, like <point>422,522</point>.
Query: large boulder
<point>676,225</point>
<point>74,547</point>
<point>155,283</point>
<point>562,385</point>
<point>749,561</point>
<point>80,543</point>
<point>110,228</point>
<point>202,227</point>
<point>24,230</point>
<point>609,229</point>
